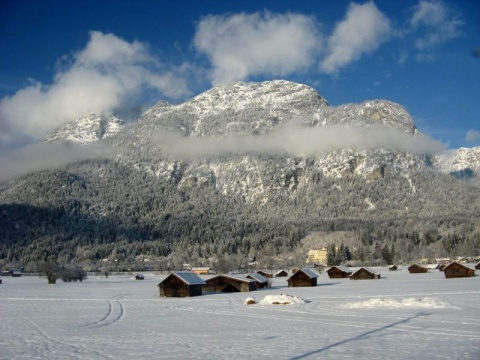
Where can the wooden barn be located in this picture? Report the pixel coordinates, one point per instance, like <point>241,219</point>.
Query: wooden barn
<point>417,269</point>
<point>281,273</point>
<point>393,268</point>
<point>456,270</point>
<point>261,281</point>
<point>303,277</point>
<point>268,275</point>
<point>477,266</point>
<point>337,272</point>
<point>365,274</point>
<point>229,283</point>
<point>181,284</point>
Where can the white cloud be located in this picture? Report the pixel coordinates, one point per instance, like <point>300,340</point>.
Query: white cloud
<point>39,157</point>
<point>362,31</point>
<point>100,77</point>
<point>299,141</point>
<point>243,45</point>
<point>439,23</point>
<point>472,136</point>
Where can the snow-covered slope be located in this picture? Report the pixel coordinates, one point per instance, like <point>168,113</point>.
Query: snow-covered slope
<point>459,160</point>
<point>87,129</point>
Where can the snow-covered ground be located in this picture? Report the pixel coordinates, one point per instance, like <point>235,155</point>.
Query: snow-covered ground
<point>401,316</point>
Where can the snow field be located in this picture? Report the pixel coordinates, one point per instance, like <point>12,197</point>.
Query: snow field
<point>399,316</point>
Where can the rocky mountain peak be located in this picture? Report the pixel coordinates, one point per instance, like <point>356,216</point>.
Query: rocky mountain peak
<point>87,129</point>
<point>389,113</point>
<point>277,96</point>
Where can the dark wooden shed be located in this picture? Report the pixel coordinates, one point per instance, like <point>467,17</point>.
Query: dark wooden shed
<point>281,273</point>
<point>181,284</point>
<point>456,270</point>
<point>477,266</point>
<point>229,283</point>
<point>365,274</point>
<point>268,275</point>
<point>261,281</point>
<point>337,272</point>
<point>303,277</point>
<point>393,268</point>
<point>417,269</point>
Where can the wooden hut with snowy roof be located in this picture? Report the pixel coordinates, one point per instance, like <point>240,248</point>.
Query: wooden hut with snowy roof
<point>365,274</point>
<point>338,272</point>
<point>456,270</point>
<point>477,266</point>
<point>281,273</point>
<point>303,277</point>
<point>229,283</point>
<point>417,269</point>
<point>266,274</point>
<point>261,281</point>
<point>181,284</point>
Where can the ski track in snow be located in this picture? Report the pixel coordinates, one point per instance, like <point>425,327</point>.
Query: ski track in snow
<point>115,312</point>
<point>118,318</point>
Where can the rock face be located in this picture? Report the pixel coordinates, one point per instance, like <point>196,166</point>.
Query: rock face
<point>87,129</point>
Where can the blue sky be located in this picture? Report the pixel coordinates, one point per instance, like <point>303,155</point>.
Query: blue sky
<point>62,59</point>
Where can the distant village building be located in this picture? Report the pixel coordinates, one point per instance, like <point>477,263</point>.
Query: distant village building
<point>456,270</point>
<point>417,269</point>
<point>202,270</point>
<point>462,259</point>
<point>393,268</point>
<point>303,277</point>
<point>365,274</point>
<point>229,283</point>
<point>181,284</point>
<point>318,256</point>
<point>337,272</point>
<point>443,261</point>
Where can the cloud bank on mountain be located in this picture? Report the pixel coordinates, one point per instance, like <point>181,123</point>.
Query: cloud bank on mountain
<point>296,140</point>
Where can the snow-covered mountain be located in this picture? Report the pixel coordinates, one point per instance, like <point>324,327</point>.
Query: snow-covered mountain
<point>241,188</point>
<point>458,161</point>
<point>262,108</point>
<point>87,129</point>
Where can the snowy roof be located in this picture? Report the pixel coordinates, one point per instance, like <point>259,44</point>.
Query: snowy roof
<point>342,268</point>
<point>367,269</point>
<point>188,277</point>
<point>309,272</point>
<point>236,277</point>
<point>464,265</point>
<point>260,278</point>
